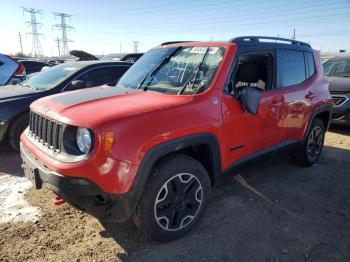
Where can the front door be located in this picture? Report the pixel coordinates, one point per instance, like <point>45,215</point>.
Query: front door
<point>247,135</point>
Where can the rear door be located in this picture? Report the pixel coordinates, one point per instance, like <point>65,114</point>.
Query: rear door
<point>293,81</point>
<point>8,67</point>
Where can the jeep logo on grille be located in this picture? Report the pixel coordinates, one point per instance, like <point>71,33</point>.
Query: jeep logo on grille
<point>45,109</point>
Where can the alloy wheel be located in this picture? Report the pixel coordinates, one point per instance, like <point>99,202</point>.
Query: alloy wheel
<point>178,202</point>
<point>315,143</point>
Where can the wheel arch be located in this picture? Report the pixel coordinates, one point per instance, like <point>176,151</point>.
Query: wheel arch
<point>324,113</point>
<point>187,145</point>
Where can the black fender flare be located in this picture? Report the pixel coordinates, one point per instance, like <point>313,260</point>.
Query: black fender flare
<point>131,199</point>
<point>321,109</point>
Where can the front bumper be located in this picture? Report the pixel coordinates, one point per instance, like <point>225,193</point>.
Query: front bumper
<point>80,193</point>
<point>3,129</point>
<point>341,111</point>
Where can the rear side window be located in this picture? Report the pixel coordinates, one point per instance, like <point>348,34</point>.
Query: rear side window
<point>290,68</point>
<point>310,68</point>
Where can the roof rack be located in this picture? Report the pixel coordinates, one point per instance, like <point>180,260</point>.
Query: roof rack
<point>175,42</point>
<point>264,39</point>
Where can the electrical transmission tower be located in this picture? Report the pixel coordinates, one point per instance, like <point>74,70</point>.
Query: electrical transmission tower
<point>64,27</point>
<point>35,25</point>
<point>135,45</point>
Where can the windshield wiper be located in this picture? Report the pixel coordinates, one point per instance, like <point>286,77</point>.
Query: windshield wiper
<point>195,73</point>
<point>157,68</point>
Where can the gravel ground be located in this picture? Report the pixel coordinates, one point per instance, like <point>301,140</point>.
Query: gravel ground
<point>273,212</point>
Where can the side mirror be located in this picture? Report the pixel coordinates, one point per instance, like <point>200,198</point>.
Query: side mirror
<point>250,99</point>
<point>76,84</point>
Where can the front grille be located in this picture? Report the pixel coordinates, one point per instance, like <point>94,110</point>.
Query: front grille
<point>338,100</point>
<point>47,131</point>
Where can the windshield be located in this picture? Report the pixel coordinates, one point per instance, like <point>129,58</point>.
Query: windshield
<point>340,68</point>
<point>175,70</point>
<point>51,77</point>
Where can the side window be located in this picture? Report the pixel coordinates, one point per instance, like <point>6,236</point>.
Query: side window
<point>102,76</point>
<point>310,68</point>
<point>253,70</point>
<point>290,68</point>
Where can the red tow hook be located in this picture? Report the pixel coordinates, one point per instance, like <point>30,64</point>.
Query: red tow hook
<point>57,200</point>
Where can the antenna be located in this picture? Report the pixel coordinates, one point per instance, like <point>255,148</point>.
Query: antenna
<point>64,27</point>
<point>35,25</point>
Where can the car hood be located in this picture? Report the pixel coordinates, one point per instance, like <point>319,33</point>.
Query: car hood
<point>13,92</point>
<point>339,84</point>
<point>94,106</point>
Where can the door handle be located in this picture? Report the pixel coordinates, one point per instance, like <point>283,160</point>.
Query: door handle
<point>310,95</point>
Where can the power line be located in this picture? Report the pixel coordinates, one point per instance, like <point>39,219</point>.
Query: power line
<point>36,45</point>
<point>218,25</point>
<point>64,27</point>
<point>268,5</point>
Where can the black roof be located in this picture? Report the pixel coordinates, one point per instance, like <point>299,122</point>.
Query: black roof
<point>270,42</point>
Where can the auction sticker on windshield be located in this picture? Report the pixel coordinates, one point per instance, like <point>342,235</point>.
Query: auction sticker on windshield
<point>203,49</point>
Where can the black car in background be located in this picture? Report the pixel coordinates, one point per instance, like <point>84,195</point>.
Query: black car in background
<point>32,66</point>
<point>131,58</point>
<point>337,71</point>
<point>15,99</point>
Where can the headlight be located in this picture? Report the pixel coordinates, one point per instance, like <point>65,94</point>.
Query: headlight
<point>84,140</point>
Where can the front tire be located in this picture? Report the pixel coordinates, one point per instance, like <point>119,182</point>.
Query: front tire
<point>174,199</point>
<point>16,129</point>
<point>311,149</point>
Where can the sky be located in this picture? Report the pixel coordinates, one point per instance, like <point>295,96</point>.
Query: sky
<point>107,26</point>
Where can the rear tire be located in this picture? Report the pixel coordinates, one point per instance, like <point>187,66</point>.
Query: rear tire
<point>16,129</point>
<point>174,198</point>
<point>311,149</point>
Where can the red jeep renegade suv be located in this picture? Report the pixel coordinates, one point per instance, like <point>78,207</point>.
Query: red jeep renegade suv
<point>182,116</point>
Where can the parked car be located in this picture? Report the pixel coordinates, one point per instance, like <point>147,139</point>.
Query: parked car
<point>131,58</point>
<point>82,55</point>
<point>11,71</point>
<point>32,66</point>
<point>15,100</point>
<point>183,116</point>
<point>337,71</point>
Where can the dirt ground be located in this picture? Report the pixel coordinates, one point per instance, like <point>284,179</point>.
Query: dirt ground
<point>272,212</point>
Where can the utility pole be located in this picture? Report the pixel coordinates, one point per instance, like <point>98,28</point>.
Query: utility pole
<point>64,27</point>
<point>120,48</point>
<point>35,25</point>
<point>293,35</point>
<point>135,45</point>
<point>20,41</point>
<point>58,46</point>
